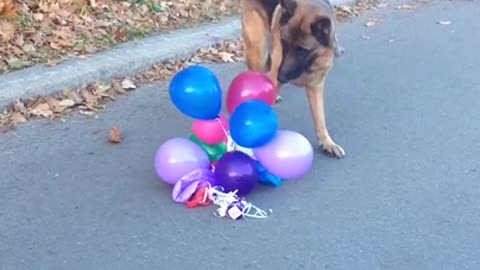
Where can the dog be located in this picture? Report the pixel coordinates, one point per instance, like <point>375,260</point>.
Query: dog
<point>296,41</point>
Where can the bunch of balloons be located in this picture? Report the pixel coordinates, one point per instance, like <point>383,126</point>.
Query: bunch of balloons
<point>233,152</point>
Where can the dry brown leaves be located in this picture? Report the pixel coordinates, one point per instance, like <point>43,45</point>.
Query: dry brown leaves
<point>47,31</point>
<point>7,8</point>
<point>90,99</point>
<point>114,135</point>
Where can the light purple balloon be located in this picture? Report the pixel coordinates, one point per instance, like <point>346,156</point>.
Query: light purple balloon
<point>177,157</point>
<point>288,155</point>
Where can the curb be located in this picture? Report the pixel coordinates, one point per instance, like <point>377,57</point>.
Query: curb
<point>123,60</point>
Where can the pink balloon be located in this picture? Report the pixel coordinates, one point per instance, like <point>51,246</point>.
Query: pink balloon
<point>250,85</point>
<point>211,131</point>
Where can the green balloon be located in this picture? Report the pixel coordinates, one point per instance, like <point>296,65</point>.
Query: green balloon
<point>214,152</point>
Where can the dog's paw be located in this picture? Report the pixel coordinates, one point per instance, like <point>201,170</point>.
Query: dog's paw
<point>278,99</point>
<point>333,149</point>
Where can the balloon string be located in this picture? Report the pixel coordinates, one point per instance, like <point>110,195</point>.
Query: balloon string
<point>224,200</point>
<point>223,127</point>
<point>230,142</point>
<point>259,213</point>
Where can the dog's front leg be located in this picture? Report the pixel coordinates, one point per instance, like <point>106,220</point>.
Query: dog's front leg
<point>315,95</point>
<point>276,57</point>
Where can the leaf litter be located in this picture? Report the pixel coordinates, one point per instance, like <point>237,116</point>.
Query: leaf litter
<point>53,30</point>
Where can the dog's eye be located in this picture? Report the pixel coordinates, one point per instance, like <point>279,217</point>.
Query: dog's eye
<point>302,52</point>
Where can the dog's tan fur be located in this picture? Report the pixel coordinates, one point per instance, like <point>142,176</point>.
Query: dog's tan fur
<point>265,23</point>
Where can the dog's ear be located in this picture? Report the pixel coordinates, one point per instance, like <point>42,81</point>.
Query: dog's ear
<point>289,6</point>
<point>322,30</point>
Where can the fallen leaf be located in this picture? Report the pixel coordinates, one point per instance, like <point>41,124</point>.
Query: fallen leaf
<point>444,22</point>
<point>365,37</point>
<point>7,31</point>
<point>128,84</point>
<point>74,97</point>
<point>7,8</point>
<point>114,136</point>
<point>37,17</point>
<point>53,62</point>
<point>67,103</point>
<point>17,118</point>
<point>42,109</point>
<point>38,38</point>
<point>20,40</point>
<point>28,48</point>
<point>101,89</point>
<point>406,7</point>
<point>13,62</point>
<point>226,57</point>
<point>87,113</point>
<point>19,107</point>
<point>54,105</point>
<point>120,34</point>
<point>60,44</point>
<point>373,21</point>
<point>89,49</point>
<point>90,99</point>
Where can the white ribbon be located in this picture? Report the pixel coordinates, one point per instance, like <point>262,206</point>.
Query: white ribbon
<point>224,200</point>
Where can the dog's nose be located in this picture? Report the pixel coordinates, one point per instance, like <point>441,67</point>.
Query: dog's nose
<point>282,78</point>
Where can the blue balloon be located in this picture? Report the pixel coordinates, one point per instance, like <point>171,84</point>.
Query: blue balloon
<point>253,124</point>
<point>196,92</point>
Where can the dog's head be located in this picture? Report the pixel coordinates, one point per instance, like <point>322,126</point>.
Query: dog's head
<point>307,35</point>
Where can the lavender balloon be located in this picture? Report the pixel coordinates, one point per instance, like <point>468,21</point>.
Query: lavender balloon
<point>178,157</point>
<point>288,155</point>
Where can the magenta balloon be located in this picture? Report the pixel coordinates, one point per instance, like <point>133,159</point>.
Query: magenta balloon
<point>250,85</point>
<point>288,155</point>
<point>177,157</point>
<point>211,131</point>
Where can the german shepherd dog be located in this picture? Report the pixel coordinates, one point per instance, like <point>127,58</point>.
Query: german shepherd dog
<point>295,40</point>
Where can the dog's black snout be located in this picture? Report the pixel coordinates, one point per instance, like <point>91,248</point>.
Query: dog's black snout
<point>282,78</point>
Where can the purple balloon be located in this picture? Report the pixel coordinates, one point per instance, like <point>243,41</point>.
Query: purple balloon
<point>177,157</point>
<point>236,170</point>
<point>288,155</point>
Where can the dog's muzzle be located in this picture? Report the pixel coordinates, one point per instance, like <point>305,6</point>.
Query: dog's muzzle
<point>282,78</point>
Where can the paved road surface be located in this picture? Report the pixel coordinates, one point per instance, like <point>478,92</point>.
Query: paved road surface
<point>404,104</point>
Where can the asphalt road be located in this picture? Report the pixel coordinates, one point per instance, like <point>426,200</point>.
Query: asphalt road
<point>404,104</point>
